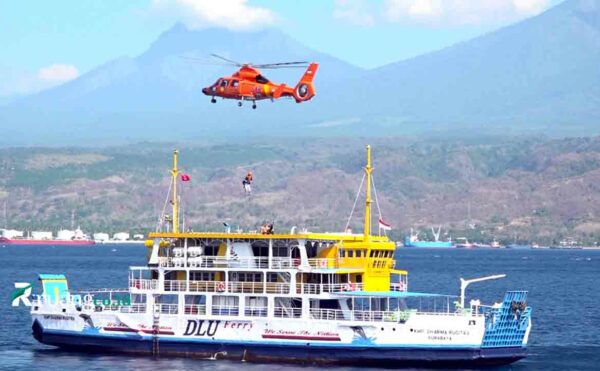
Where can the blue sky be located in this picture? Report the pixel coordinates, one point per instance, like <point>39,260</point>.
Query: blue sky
<point>46,43</point>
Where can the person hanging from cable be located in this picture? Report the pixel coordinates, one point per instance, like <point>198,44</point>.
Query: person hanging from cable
<point>247,183</point>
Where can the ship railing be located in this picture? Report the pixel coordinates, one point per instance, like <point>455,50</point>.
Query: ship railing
<point>231,287</point>
<point>400,286</point>
<point>323,263</point>
<point>317,288</point>
<point>256,311</point>
<point>133,308</point>
<point>166,308</point>
<point>175,285</point>
<point>361,315</point>
<point>143,284</point>
<point>287,312</point>
<point>231,262</point>
<point>225,310</point>
<point>194,309</point>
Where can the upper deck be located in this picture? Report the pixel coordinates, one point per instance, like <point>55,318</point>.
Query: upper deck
<point>330,237</point>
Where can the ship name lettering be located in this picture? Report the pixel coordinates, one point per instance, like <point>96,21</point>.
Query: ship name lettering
<point>197,327</point>
<point>239,325</point>
<point>59,317</point>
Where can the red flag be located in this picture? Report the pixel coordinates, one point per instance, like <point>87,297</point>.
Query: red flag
<point>185,178</point>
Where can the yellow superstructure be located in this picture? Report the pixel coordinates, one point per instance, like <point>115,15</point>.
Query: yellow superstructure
<point>364,258</point>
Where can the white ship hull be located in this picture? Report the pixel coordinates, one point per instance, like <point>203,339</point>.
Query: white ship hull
<point>415,338</point>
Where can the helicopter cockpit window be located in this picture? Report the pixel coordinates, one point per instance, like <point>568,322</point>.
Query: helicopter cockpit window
<point>223,83</point>
<point>234,83</point>
<point>261,79</point>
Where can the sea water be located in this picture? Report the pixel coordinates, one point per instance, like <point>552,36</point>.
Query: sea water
<point>564,291</point>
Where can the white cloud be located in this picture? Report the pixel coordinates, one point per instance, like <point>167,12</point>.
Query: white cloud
<point>461,12</point>
<point>58,73</point>
<point>16,81</point>
<point>355,12</point>
<point>231,14</point>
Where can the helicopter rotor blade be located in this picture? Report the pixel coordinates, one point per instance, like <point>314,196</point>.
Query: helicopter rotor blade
<point>227,60</point>
<point>267,65</point>
<point>279,67</point>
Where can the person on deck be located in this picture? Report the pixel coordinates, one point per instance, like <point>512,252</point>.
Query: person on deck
<point>247,182</point>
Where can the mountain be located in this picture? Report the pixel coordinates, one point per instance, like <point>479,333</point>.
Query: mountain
<point>541,72</point>
<point>537,76</point>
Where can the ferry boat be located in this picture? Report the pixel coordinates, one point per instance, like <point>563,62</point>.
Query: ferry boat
<point>297,296</point>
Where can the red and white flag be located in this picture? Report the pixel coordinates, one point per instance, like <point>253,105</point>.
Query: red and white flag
<point>383,225</point>
<point>185,178</point>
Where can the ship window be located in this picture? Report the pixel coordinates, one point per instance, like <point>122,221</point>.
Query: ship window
<point>195,304</point>
<point>245,276</point>
<point>288,307</point>
<point>167,304</point>
<point>278,277</point>
<point>202,276</point>
<point>256,306</point>
<point>350,253</point>
<point>342,253</point>
<point>225,305</point>
<point>372,253</point>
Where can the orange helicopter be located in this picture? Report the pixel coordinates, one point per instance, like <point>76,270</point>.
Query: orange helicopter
<point>249,84</point>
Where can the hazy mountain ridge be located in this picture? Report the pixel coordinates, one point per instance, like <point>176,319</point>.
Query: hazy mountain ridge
<point>539,75</point>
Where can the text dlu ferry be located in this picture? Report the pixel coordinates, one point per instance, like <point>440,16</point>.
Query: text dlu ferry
<point>289,297</point>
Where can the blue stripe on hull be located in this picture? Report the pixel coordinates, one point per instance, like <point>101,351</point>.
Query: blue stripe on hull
<point>367,356</point>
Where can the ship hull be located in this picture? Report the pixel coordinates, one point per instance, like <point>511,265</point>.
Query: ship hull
<point>8,241</point>
<point>390,357</point>
<point>430,245</point>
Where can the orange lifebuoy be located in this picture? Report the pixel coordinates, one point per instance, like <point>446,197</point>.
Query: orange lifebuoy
<point>221,286</point>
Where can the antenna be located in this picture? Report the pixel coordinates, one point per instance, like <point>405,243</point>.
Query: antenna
<point>175,172</point>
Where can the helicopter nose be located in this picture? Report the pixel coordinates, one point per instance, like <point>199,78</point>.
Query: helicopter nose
<point>205,91</point>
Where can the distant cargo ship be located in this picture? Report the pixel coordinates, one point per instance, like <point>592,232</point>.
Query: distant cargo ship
<point>413,241</point>
<point>63,237</point>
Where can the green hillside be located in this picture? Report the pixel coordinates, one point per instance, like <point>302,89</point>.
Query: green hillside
<point>512,189</point>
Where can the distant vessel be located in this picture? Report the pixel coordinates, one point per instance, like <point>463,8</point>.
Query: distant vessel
<point>412,240</point>
<point>463,243</point>
<point>63,237</point>
<point>120,238</point>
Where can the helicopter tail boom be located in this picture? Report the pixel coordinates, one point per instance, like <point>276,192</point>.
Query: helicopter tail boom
<point>305,89</point>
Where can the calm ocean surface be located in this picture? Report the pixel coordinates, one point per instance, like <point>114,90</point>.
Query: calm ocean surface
<point>564,291</point>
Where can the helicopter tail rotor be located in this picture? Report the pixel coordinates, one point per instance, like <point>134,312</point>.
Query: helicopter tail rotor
<point>305,89</point>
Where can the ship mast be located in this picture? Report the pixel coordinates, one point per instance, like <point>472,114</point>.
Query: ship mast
<point>368,170</point>
<point>175,201</point>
